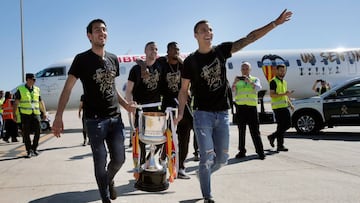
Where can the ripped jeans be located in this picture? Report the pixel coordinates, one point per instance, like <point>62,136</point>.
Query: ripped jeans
<point>212,135</point>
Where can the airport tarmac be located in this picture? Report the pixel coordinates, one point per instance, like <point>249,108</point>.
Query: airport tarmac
<point>317,168</point>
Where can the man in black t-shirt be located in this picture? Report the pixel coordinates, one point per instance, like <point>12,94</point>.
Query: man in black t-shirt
<point>205,70</point>
<point>173,65</point>
<point>143,86</point>
<point>97,69</point>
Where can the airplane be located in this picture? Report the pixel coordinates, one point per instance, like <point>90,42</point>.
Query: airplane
<point>303,68</point>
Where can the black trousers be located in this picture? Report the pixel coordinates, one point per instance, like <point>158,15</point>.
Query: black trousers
<point>283,121</point>
<point>183,131</point>
<point>30,124</point>
<point>247,115</point>
<point>84,128</point>
<point>11,130</point>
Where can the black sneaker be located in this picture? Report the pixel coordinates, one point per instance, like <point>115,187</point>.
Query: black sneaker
<point>35,152</point>
<point>206,200</point>
<point>112,191</point>
<point>182,174</point>
<point>261,156</point>
<point>240,155</point>
<point>29,155</point>
<point>282,149</point>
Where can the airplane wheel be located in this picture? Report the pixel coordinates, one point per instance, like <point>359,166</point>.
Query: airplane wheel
<point>307,122</point>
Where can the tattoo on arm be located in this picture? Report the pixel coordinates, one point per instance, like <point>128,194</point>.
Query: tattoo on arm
<point>251,37</point>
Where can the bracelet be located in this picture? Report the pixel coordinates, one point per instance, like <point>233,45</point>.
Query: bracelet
<point>273,24</point>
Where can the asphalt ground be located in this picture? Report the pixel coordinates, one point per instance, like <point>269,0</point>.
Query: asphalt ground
<point>318,168</point>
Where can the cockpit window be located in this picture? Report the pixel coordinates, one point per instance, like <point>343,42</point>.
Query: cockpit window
<point>51,72</point>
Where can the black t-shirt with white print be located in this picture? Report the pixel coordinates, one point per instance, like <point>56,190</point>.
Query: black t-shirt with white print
<point>171,82</point>
<point>207,74</point>
<point>146,90</point>
<point>97,75</point>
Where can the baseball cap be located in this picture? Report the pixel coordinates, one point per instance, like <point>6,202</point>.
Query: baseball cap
<point>30,76</point>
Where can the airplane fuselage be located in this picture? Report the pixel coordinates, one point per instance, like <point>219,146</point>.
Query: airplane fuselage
<point>303,68</point>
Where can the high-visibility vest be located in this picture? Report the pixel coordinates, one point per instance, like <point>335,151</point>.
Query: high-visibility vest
<point>279,102</point>
<point>29,102</point>
<point>321,89</point>
<point>246,93</point>
<point>8,110</point>
<point>1,103</point>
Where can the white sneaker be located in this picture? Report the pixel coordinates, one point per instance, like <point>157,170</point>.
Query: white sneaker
<point>182,174</point>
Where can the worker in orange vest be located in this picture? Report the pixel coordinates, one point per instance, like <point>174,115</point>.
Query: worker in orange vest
<point>9,119</point>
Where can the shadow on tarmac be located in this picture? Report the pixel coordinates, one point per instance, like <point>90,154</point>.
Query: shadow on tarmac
<point>74,130</point>
<point>15,153</point>
<point>190,200</point>
<point>231,161</point>
<point>93,195</point>
<point>344,136</point>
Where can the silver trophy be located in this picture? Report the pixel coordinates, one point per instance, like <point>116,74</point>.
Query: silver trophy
<point>152,175</point>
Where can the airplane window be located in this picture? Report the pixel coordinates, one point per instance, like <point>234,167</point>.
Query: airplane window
<point>39,74</point>
<point>51,72</point>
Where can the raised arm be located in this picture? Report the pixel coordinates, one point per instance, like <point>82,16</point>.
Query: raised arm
<point>260,32</point>
<point>314,85</point>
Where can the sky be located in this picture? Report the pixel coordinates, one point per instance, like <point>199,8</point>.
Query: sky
<point>56,29</point>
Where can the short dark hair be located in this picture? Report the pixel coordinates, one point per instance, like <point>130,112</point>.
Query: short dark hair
<point>171,44</point>
<point>7,95</point>
<point>29,76</point>
<point>198,23</point>
<point>149,43</point>
<point>280,66</point>
<point>89,27</point>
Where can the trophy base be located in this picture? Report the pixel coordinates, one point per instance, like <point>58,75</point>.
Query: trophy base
<point>152,181</point>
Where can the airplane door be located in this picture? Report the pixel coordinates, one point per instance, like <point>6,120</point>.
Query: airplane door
<point>343,106</point>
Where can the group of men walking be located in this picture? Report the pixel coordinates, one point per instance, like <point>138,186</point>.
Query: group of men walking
<point>204,70</point>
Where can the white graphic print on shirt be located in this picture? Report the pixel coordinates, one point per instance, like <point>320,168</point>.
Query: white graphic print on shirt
<point>212,75</point>
<point>152,81</point>
<point>173,80</point>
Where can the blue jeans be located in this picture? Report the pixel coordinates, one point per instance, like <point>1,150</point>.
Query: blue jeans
<point>111,131</point>
<point>212,135</point>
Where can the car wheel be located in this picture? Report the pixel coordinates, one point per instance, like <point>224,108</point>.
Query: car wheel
<point>44,125</point>
<point>307,123</point>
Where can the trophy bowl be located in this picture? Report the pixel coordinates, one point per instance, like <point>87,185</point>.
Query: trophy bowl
<point>152,128</point>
